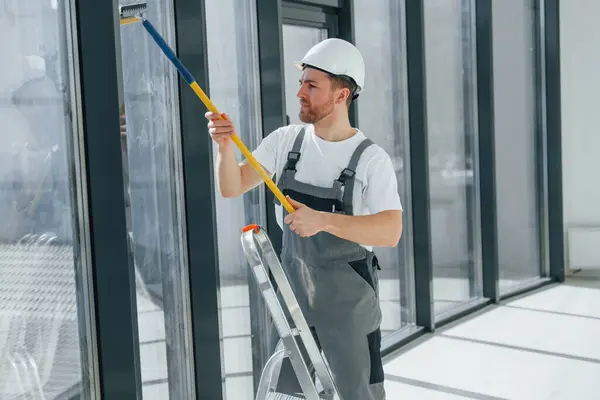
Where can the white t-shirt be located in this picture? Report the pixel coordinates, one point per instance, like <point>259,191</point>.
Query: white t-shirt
<point>321,162</point>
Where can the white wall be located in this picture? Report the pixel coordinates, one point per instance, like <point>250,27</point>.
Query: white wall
<point>580,85</point>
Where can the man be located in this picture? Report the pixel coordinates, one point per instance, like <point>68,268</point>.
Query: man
<point>344,190</point>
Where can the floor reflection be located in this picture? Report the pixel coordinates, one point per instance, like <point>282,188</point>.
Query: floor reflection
<point>540,346</point>
<point>153,349</point>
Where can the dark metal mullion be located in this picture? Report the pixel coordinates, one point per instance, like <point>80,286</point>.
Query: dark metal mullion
<point>347,32</point>
<point>419,159</point>
<point>113,275</point>
<point>200,211</point>
<point>553,139</point>
<point>273,107</point>
<point>487,150</point>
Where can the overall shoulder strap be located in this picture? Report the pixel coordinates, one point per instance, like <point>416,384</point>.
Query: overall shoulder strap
<point>289,169</point>
<point>346,178</point>
<point>358,153</point>
<point>294,154</point>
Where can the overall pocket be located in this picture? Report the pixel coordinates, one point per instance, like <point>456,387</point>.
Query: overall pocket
<point>376,364</point>
<point>362,268</point>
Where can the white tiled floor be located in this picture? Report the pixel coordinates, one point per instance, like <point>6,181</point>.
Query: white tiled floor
<point>542,346</point>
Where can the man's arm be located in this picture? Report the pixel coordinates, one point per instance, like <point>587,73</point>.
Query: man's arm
<point>235,179</point>
<point>382,229</point>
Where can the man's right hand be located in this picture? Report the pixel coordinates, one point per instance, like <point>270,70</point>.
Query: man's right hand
<point>220,129</point>
<point>234,178</point>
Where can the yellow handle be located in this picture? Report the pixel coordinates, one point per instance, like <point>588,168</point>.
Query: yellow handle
<point>236,139</point>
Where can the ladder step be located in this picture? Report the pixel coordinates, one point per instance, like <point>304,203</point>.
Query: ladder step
<point>283,396</point>
<point>280,396</point>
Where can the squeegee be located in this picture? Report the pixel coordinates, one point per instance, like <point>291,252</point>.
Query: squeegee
<point>134,13</point>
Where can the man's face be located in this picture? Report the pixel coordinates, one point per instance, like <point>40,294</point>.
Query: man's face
<point>316,96</point>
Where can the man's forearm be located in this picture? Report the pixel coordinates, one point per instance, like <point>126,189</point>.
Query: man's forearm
<point>228,171</point>
<point>383,229</point>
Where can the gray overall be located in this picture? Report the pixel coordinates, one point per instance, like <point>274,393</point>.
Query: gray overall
<point>335,281</point>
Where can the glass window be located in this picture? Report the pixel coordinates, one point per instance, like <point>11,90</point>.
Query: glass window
<point>452,122</point>
<point>44,331</point>
<point>380,37</point>
<point>151,151</point>
<point>296,42</point>
<point>515,53</point>
<point>235,90</point>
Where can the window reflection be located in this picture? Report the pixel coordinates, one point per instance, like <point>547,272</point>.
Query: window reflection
<point>515,53</point>
<point>151,157</point>
<point>43,329</point>
<point>296,41</point>
<point>385,95</point>
<point>235,90</point>
<point>452,139</point>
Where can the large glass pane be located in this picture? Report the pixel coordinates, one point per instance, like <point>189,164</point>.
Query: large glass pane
<point>151,151</point>
<point>515,53</point>
<point>235,90</point>
<point>297,40</point>
<point>452,122</point>
<point>44,315</point>
<point>380,37</point>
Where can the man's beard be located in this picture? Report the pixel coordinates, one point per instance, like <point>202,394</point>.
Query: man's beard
<point>312,115</point>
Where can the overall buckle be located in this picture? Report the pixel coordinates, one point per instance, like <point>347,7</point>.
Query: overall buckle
<point>293,157</point>
<point>346,174</point>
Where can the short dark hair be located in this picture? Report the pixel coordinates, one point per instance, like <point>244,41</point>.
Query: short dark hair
<point>338,81</point>
<point>343,82</point>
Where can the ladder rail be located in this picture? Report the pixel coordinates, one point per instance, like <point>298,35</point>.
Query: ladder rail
<point>281,323</point>
<point>316,357</point>
<point>262,257</point>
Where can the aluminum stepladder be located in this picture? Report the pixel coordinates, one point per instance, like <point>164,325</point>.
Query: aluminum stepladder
<point>262,258</point>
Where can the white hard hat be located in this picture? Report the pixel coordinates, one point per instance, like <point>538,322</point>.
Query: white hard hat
<point>338,57</point>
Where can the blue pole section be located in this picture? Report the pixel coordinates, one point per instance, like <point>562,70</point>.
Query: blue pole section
<point>160,41</point>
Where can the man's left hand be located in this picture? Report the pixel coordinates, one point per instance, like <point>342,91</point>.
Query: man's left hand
<point>305,221</point>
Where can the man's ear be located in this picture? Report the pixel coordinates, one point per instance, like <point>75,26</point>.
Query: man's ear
<point>343,96</point>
